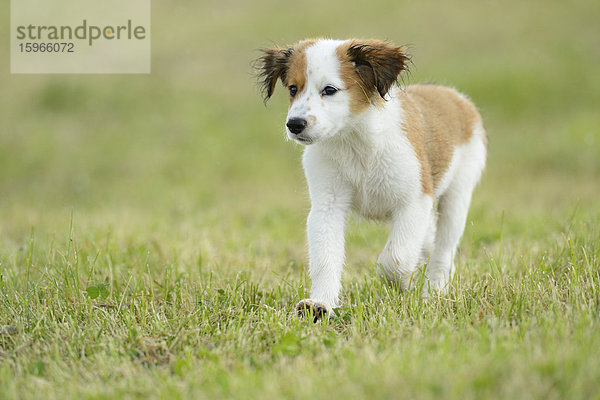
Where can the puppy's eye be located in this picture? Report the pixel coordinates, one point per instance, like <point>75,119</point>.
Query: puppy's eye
<point>293,90</point>
<point>329,91</point>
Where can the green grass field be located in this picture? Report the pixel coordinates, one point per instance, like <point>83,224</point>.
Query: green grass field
<point>152,226</point>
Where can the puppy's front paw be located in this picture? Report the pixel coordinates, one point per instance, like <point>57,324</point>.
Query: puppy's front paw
<point>307,307</point>
<point>434,287</point>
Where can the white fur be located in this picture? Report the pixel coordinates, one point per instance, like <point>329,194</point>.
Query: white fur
<point>367,164</point>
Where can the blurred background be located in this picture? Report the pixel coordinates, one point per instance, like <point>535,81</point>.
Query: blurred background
<point>189,162</point>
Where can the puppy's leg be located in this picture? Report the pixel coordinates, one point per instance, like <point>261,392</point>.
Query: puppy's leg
<point>330,198</point>
<point>453,207</point>
<point>429,240</point>
<point>404,248</point>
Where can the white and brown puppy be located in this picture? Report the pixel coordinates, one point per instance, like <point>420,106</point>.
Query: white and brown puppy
<point>411,156</point>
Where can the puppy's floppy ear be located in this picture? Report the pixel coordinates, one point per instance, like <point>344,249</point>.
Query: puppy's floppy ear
<point>378,63</point>
<point>272,65</point>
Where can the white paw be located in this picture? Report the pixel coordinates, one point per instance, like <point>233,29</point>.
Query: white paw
<point>435,286</point>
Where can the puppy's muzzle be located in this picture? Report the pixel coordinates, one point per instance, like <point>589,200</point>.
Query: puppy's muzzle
<point>296,125</point>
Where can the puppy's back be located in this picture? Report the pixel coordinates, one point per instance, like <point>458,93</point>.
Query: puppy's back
<point>446,119</point>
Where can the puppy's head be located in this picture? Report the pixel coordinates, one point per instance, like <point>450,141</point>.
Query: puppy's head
<point>330,82</point>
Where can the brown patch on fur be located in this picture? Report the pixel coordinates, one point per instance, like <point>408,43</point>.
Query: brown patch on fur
<point>437,119</point>
<point>360,94</point>
<point>369,68</point>
<point>285,63</point>
<point>414,126</point>
<point>296,74</point>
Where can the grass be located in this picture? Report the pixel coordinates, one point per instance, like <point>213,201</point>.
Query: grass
<point>174,199</point>
<point>525,326</point>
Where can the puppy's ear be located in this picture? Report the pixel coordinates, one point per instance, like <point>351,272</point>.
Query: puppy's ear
<point>272,65</point>
<point>378,63</point>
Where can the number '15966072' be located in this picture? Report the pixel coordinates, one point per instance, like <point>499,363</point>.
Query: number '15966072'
<point>47,47</point>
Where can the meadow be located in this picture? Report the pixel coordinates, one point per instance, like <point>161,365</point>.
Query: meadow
<point>152,238</point>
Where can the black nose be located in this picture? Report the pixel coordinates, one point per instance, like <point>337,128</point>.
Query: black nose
<point>296,125</point>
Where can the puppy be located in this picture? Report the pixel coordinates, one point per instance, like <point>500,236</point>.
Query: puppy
<point>408,156</point>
